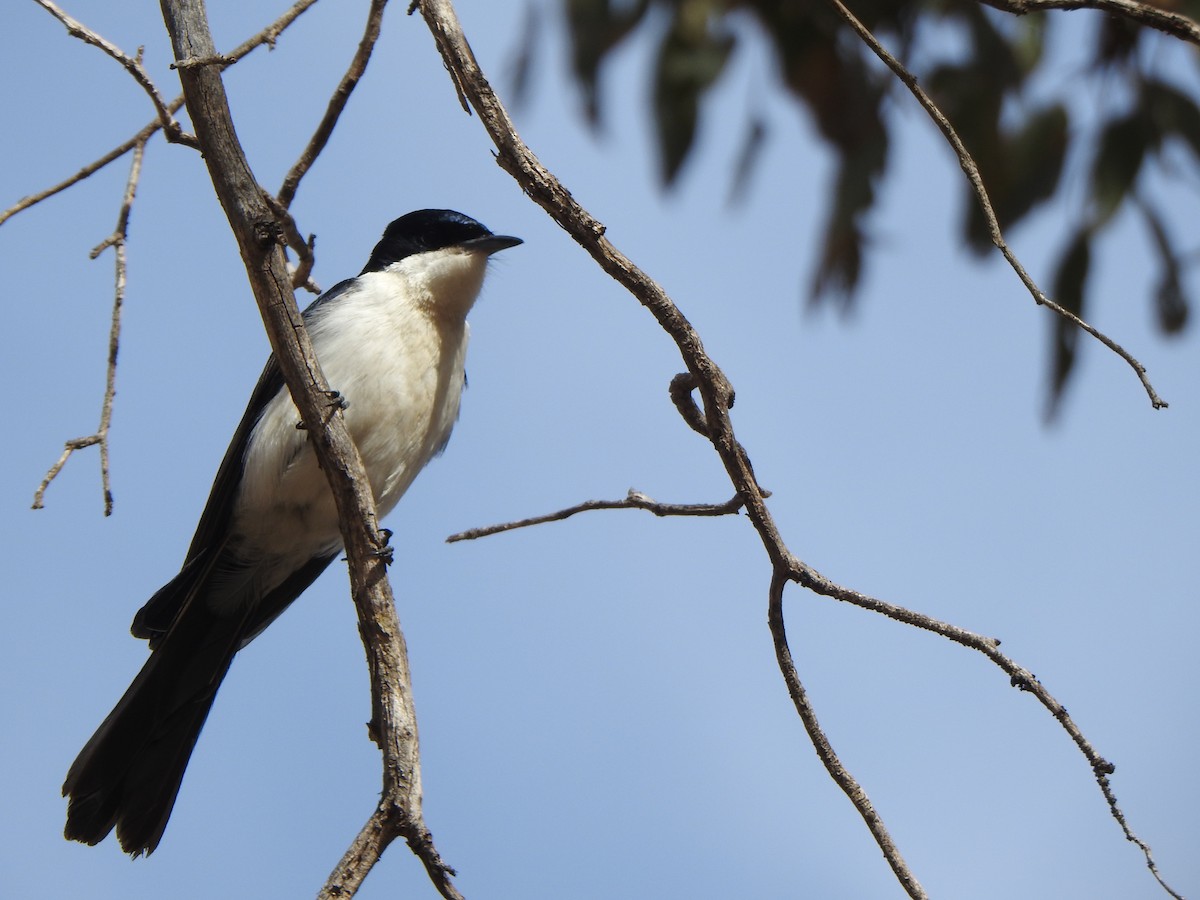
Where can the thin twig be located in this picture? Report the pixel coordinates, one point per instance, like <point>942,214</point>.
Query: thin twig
<point>1019,677</point>
<point>117,241</point>
<point>967,162</point>
<point>1165,20</point>
<point>337,103</point>
<point>137,143</point>
<point>133,65</point>
<point>634,500</point>
<point>91,168</point>
<point>829,758</point>
<point>268,36</point>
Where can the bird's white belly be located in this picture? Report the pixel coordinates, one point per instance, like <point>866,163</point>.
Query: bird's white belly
<point>402,375</point>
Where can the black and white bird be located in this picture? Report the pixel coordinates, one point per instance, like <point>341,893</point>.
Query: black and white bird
<point>393,342</point>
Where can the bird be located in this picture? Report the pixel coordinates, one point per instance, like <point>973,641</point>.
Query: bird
<point>392,342</point>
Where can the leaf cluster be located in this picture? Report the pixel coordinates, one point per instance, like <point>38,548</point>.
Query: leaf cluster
<point>1021,144</point>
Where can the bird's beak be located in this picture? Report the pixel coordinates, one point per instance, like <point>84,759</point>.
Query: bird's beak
<point>493,243</point>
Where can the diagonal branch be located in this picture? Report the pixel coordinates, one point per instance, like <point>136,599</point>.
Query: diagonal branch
<point>268,36</point>
<point>972,172</point>
<point>117,241</point>
<point>91,168</point>
<point>133,65</point>
<point>1165,20</point>
<point>829,758</point>
<point>337,103</point>
<point>1019,677</point>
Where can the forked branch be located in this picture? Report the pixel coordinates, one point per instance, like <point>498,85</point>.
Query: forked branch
<point>716,394</point>
<point>133,65</point>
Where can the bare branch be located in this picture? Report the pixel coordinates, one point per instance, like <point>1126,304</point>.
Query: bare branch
<point>257,230</point>
<point>838,772</point>
<point>267,36</point>
<point>384,824</point>
<point>91,168</point>
<point>634,500</point>
<point>1019,677</point>
<point>972,172</point>
<point>337,103</point>
<point>291,182</point>
<point>715,390</point>
<point>1165,20</point>
<point>117,241</point>
<point>133,65</point>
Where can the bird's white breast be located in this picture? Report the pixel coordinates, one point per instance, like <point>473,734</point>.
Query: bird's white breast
<point>394,346</point>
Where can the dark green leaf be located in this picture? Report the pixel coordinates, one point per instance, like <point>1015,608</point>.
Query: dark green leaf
<point>1117,162</point>
<point>1023,175</point>
<point>1170,300</point>
<point>1068,291</point>
<point>842,251</point>
<point>1171,303</point>
<point>522,62</point>
<point>1029,43</point>
<point>595,28</point>
<point>1035,157</point>
<point>1172,112</point>
<point>752,146</point>
<point>1117,40</point>
<point>991,51</point>
<point>690,59</point>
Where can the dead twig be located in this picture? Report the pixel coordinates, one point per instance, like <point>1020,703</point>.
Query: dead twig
<point>633,500</point>
<point>117,241</point>
<point>1157,17</point>
<point>133,65</point>
<point>1019,677</point>
<point>337,103</point>
<point>268,36</point>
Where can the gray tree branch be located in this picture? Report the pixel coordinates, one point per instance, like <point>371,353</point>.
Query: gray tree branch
<point>258,231</point>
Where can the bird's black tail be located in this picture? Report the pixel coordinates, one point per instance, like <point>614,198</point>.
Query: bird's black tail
<point>128,774</point>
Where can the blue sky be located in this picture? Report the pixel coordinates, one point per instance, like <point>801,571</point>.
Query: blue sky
<point>601,715</point>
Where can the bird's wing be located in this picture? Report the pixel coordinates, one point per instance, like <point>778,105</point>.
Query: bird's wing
<point>212,532</point>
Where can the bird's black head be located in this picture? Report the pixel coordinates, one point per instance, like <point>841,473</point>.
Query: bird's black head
<point>432,229</point>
